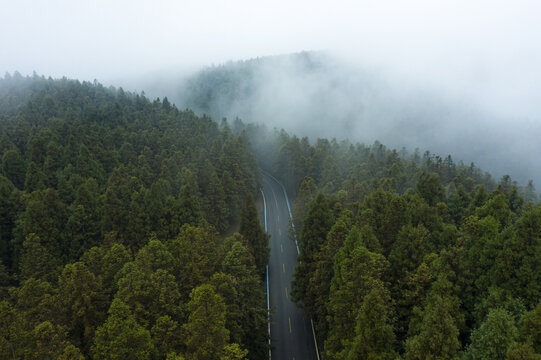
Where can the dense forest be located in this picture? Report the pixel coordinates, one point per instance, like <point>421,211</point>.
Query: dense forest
<point>127,227</point>
<point>410,256</point>
<point>129,230</point>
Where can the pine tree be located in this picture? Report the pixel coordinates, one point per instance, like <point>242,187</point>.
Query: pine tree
<point>356,272</point>
<point>7,220</point>
<point>84,224</point>
<point>530,328</point>
<point>189,205</point>
<point>36,261</point>
<point>374,336</point>
<point>80,293</point>
<point>250,314</point>
<point>14,168</point>
<point>121,337</point>
<point>522,351</point>
<point>195,256</point>
<point>494,337</point>
<point>316,226</point>
<point>206,335</point>
<point>301,205</point>
<point>253,233</point>
<point>320,283</point>
<point>434,330</point>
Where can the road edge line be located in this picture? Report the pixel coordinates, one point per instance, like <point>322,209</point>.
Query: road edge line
<point>298,251</point>
<point>267,273</point>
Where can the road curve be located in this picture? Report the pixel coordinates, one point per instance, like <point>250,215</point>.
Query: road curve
<point>291,332</point>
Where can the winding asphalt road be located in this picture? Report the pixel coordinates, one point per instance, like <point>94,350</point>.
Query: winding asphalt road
<point>291,331</point>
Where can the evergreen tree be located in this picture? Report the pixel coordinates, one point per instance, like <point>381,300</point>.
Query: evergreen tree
<point>13,168</point>
<point>84,224</point>
<point>251,230</point>
<point>374,336</point>
<point>189,206</point>
<point>80,293</point>
<point>434,330</point>
<point>357,271</point>
<point>195,257</point>
<point>36,261</point>
<point>494,337</point>
<point>320,284</point>
<point>301,205</point>
<point>121,337</point>
<point>7,220</point>
<point>249,315</point>
<point>522,352</point>
<point>430,188</point>
<point>206,335</point>
<point>530,328</point>
<point>316,226</point>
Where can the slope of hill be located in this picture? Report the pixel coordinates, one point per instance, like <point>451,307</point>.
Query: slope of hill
<point>111,209</point>
<point>317,95</point>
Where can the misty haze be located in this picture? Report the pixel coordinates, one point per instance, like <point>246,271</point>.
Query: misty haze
<point>320,95</point>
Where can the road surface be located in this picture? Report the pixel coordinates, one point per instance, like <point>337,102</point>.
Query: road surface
<point>291,331</point>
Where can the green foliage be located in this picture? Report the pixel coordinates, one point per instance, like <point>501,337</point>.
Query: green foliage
<point>430,188</point>
<point>316,226</point>
<point>7,218</point>
<point>253,233</point>
<point>121,336</point>
<point>242,289</point>
<point>357,271</point>
<point>522,352</point>
<point>434,329</point>
<point>530,328</point>
<point>494,337</point>
<point>112,210</point>
<point>301,205</point>
<point>408,250</point>
<point>320,283</point>
<point>374,336</point>
<point>13,168</point>
<point>234,352</point>
<point>36,261</point>
<point>195,257</point>
<point>206,335</point>
<point>80,293</point>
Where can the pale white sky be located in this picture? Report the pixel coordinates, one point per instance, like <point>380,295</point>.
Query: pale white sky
<point>489,50</point>
<point>486,52</point>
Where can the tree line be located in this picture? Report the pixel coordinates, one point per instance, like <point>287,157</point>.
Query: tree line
<point>128,228</point>
<point>407,255</point>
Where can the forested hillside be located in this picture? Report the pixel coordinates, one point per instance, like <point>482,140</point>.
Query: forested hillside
<point>129,230</point>
<point>410,255</point>
<point>318,95</point>
<point>114,211</point>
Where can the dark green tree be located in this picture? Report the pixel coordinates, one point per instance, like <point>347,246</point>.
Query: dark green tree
<point>121,336</point>
<point>80,291</point>
<point>301,205</point>
<point>494,337</point>
<point>374,336</point>
<point>206,335</point>
<point>434,330</point>
<point>316,226</point>
<point>14,168</point>
<point>253,233</point>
